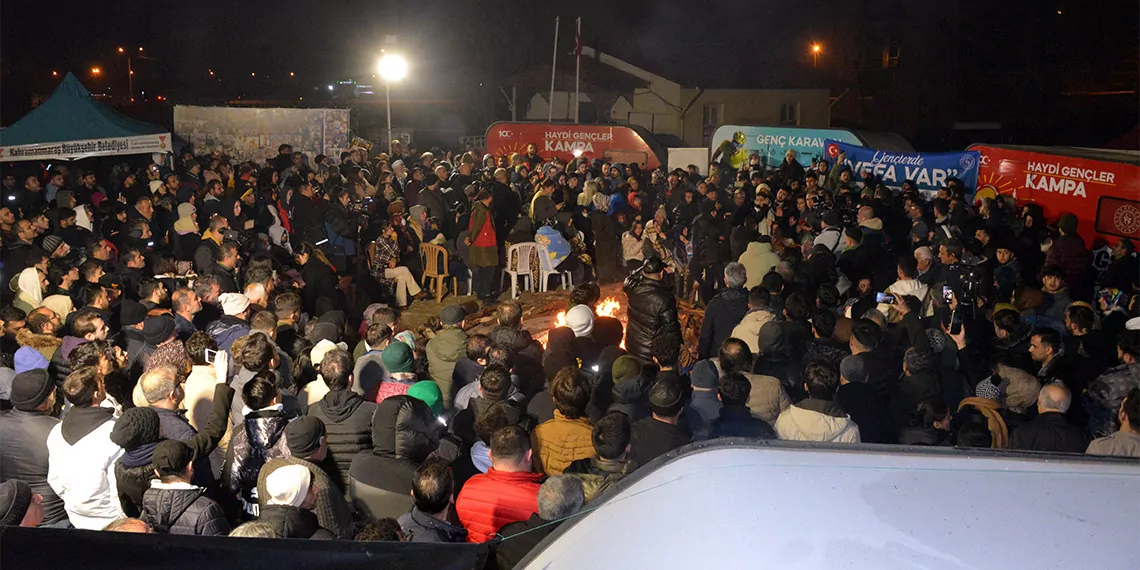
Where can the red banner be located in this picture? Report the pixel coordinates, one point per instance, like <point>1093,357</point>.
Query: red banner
<point>616,143</point>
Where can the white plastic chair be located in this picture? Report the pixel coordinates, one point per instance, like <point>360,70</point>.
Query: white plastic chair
<point>518,265</point>
<point>470,282</point>
<point>546,270</point>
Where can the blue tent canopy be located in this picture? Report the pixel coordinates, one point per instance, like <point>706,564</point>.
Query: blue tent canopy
<point>71,125</point>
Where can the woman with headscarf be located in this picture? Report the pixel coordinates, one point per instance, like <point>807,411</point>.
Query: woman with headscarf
<point>29,290</point>
<point>185,238</point>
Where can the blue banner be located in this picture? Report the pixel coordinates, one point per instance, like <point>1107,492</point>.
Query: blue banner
<point>772,142</point>
<point>928,170</point>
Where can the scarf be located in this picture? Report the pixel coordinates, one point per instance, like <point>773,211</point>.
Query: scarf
<point>992,412</point>
<point>139,456</point>
<point>29,284</point>
<point>186,226</point>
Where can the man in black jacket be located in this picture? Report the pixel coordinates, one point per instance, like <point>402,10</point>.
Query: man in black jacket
<point>173,505</point>
<point>661,432</point>
<point>652,309</point>
<point>434,492</point>
<point>1050,430</point>
<point>725,310</point>
<point>225,267</point>
<point>735,419</point>
<point>558,498</point>
<point>347,416</point>
<point>23,438</point>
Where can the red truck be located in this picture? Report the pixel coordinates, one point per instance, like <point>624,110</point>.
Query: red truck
<point>566,141</point>
<point>1101,187</point>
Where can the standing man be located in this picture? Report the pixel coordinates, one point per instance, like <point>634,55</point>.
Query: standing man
<point>652,309</point>
<point>484,247</point>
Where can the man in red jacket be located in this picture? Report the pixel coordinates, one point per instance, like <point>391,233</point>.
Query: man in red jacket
<point>507,493</point>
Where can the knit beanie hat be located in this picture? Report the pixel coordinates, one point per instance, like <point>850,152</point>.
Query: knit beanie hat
<point>559,338</point>
<point>131,312</point>
<point>397,357</point>
<point>28,358</point>
<point>52,243</point>
<point>580,319</point>
<point>429,393</point>
<point>30,389</point>
<point>303,435</point>
<point>666,398</point>
<point>288,485</point>
<point>15,498</point>
<point>157,330</point>
<point>625,368</point>
<point>704,375</point>
<point>136,428</point>
<point>233,303</point>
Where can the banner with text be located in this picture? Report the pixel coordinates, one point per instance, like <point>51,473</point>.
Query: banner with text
<point>247,133</point>
<point>75,150</point>
<point>928,170</point>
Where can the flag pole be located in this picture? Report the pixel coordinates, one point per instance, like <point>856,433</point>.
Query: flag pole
<point>577,68</point>
<point>553,70</point>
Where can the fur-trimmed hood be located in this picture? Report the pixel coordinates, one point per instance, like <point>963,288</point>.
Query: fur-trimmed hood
<point>37,341</point>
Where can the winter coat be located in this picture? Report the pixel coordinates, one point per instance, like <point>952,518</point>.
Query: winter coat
<point>651,438</point>
<point>526,535</point>
<point>448,346</point>
<point>331,508</point>
<point>923,436</point>
<point>1074,258</point>
<point>419,526</point>
<point>348,429</point>
<point>868,411</point>
<point>758,260</point>
<point>1102,401</point>
<point>226,330</point>
<point>560,441</point>
<point>816,420</point>
<point>738,421</point>
<point>404,432</point>
<point>259,438</point>
<point>911,390</point>
<point>320,281</point>
<point>24,456</point>
<point>748,329</point>
<point>652,312</point>
<point>181,508</point>
<point>767,399</point>
<point>700,413</point>
<point>724,312</point>
<point>81,466</point>
<point>368,373</point>
<point>495,498</point>
<point>1050,431</point>
<point>631,398</point>
<point>60,365</point>
<point>1120,444</point>
<point>294,522</point>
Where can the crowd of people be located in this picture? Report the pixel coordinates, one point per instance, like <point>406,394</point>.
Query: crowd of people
<point>206,348</point>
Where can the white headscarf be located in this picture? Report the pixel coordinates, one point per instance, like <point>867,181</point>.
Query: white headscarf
<point>29,283</point>
<point>82,219</point>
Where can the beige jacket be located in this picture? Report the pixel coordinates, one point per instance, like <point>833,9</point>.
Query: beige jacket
<point>767,400</point>
<point>749,328</point>
<point>758,260</point>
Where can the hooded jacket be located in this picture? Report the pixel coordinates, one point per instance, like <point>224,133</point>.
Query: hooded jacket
<point>448,346</point>
<point>652,312</point>
<point>348,420</point>
<point>758,260</point>
<point>748,330</point>
<point>651,438</point>
<point>724,312</point>
<point>631,398</point>
<point>816,420</point>
<point>404,432</point>
<point>259,438</point>
<point>1105,395</point>
<point>181,508</point>
<point>81,466</point>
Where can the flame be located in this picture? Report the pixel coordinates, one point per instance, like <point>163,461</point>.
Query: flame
<point>607,307</point>
<point>560,319</point>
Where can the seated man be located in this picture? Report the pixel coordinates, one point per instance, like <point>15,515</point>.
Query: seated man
<point>507,493</point>
<point>434,492</point>
<point>385,255</point>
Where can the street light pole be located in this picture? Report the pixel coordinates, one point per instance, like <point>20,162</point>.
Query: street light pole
<point>388,96</point>
<point>130,78</point>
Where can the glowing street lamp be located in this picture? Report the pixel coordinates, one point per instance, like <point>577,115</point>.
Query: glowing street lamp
<point>392,67</point>
<point>96,71</point>
<point>815,49</point>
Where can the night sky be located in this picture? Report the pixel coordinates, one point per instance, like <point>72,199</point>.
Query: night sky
<point>454,46</point>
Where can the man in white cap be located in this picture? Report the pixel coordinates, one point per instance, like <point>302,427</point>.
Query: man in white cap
<point>289,506</point>
<point>234,323</point>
